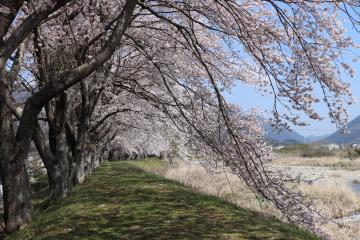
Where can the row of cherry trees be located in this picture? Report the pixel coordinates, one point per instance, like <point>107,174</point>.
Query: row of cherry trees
<point>88,80</point>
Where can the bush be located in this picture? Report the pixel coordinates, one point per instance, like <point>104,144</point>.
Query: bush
<point>305,150</point>
<point>353,153</point>
<point>296,148</point>
<point>317,152</point>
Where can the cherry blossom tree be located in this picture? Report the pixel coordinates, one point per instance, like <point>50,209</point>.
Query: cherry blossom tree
<point>17,204</point>
<point>169,60</point>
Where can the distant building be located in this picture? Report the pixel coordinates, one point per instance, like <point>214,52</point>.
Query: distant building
<point>355,146</point>
<point>279,147</point>
<point>332,147</point>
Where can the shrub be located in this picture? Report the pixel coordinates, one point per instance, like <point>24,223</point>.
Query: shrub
<point>305,150</point>
<point>317,151</point>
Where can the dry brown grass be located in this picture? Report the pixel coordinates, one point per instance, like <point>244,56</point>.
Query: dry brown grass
<point>333,197</point>
<point>350,231</point>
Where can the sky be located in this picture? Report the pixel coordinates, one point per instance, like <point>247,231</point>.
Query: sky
<point>248,97</point>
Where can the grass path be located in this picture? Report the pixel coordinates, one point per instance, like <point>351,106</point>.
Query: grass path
<point>120,201</point>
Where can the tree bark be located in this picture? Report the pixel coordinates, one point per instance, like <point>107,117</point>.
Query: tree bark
<point>17,204</point>
<point>14,175</point>
<point>82,138</point>
<point>59,177</point>
<point>54,152</point>
<point>57,165</point>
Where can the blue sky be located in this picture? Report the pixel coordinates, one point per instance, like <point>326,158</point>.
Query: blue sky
<point>248,97</point>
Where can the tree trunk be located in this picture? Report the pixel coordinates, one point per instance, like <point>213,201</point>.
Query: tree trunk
<point>82,138</point>
<point>54,152</point>
<point>17,202</point>
<point>57,165</point>
<point>59,177</point>
<point>14,175</point>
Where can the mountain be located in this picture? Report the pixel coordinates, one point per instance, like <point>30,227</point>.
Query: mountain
<point>283,136</point>
<point>315,138</point>
<point>353,137</point>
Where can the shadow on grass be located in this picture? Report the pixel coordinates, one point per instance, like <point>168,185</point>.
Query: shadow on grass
<point>120,201</point>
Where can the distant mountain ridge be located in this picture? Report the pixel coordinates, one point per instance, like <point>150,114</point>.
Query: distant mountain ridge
<point>353,137</point>
<point>283,136</point>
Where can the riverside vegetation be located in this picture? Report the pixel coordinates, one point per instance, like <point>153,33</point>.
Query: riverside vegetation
<point>327,181</point>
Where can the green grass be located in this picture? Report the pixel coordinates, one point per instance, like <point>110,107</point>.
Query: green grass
<point>306,150</point>
<point>121,201</point>
<point>150,164</point>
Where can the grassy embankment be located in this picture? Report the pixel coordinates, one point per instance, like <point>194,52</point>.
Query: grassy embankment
<point>332,195</point>
<point>121,201</point>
